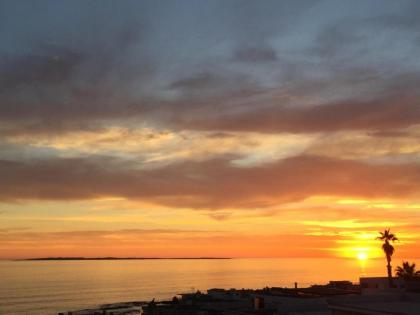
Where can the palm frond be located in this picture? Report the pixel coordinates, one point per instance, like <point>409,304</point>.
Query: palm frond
<point>407,270</point>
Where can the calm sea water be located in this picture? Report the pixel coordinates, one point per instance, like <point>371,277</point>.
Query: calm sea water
<point>47,287</point>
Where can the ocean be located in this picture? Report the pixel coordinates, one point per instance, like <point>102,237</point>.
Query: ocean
<point>48,287</point>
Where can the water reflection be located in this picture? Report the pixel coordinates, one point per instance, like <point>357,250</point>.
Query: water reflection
<point>46,287</point>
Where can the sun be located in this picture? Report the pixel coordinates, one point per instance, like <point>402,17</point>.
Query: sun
<point>362,256</point>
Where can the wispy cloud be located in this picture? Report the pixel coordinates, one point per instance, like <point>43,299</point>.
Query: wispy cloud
<point>295,115</point>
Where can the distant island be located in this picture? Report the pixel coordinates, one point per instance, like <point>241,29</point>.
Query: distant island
<point>118,258</point>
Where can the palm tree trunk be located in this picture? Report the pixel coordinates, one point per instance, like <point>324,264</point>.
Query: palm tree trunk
<point>389,268</point>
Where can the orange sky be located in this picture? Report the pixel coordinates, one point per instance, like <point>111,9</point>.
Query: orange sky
<point>233,129</point>
<point>319,226</point>
<point>280,195</point>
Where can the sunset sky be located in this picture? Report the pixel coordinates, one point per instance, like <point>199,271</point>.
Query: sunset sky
<point>209,128</point>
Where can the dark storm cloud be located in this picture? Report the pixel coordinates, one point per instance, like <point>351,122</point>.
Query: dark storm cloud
<point>208,184</point>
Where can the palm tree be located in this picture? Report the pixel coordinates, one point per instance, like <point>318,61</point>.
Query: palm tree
<point>388,249</point>
<point>407,270</point>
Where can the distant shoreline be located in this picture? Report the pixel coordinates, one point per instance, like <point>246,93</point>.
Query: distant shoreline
<point>120,258</point>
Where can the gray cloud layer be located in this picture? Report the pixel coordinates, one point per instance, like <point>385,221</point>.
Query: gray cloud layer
<point>298,66</point>
<point>208,184</point>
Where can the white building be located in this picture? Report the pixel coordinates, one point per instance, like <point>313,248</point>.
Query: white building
<point>379,299</point>
<point>380,285</point>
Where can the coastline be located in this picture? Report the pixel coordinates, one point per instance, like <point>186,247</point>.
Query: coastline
<point>26,286</point>
<point>237,301</point>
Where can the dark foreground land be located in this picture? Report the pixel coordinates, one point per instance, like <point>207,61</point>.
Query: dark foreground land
<point>270,301</point>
